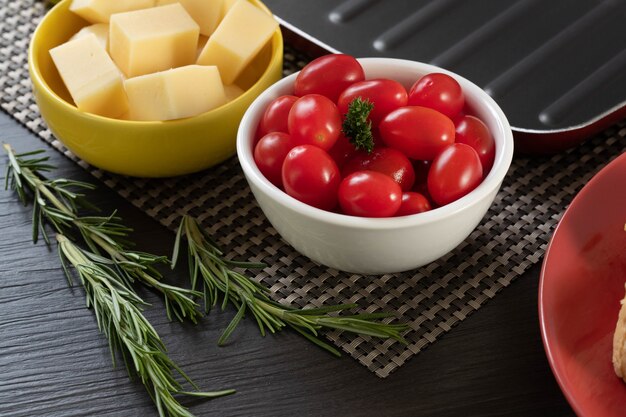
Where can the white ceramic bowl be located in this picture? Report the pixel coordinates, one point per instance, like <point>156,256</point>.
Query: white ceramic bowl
<point>377,246</point>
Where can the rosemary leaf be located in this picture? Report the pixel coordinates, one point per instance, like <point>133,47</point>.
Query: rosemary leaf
<point>106,270</point>
<point>55,203</point>
<point>247,295</point>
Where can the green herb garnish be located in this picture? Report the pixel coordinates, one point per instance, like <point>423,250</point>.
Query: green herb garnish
<point>120,318</point>
<point>107,269</point>
<point>58,202</point>
<point>357,127</point>
<point>219,277</point>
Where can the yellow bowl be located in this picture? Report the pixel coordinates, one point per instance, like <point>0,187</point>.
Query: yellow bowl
<point>142,149</point>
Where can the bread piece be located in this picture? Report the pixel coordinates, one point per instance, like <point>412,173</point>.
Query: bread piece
<point>619,342</point>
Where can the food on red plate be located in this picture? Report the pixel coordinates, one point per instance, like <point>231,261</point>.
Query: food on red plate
<point>619,340</point>
<point>365,148</point>
<point>619,343</point>
<point>439,92</point>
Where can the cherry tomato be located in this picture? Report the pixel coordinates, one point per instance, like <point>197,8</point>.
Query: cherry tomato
<point>369,194</point>
<point>387,161</point>
<point>275,117</point>
<point>385,95</point>
<point>439,92</point>
<point>314,120</point>
<point>328,75</point>
<point>342,151</point>
<point>311,176</point>
<point>417,132</point>
<point>473,132</point>
<point>269,154</point>
<point>455,172</point>
<point>413,203</point>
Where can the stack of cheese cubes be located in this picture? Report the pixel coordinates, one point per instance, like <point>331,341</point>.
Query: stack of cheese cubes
<point>160,59</point>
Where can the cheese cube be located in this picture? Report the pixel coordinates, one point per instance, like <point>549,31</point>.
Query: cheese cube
<point>238,38</point>
<point>253,71</point>
<point>206,13</point>
<point>151,40</point>
<point>93,80</point>
<point>100,30</point>
<point>226,6</point>
<point>174,94</point>
<point>100,11</point>
<point>232,91</point>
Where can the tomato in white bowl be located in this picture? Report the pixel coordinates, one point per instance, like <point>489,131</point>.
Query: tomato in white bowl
<point>371,245</point>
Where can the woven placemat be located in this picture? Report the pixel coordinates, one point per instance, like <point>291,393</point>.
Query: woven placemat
<point>512,236</point>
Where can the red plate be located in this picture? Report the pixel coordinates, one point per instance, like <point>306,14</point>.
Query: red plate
<point>582,283</point>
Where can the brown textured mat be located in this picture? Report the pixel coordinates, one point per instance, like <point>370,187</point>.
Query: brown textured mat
<point>512,236</point>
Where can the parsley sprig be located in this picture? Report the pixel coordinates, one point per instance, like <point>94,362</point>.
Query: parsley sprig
<point>357,126</point>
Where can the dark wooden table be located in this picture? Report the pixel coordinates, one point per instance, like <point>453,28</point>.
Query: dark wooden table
<point>53,361</point>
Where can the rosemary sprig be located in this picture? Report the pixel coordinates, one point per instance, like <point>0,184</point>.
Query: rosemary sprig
<point>106,269</point>
<point>59,201</point>
<point>220,278</point>
<point>119,316</point>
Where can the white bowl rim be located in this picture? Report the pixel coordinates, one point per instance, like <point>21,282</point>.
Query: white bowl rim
<point>502,162</point>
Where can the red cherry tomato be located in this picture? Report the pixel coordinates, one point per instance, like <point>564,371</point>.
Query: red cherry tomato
<point>369,194</point>
<point>413,203</point>
<point>342,151</point>
<point>417,132</point>
<point>275,117</point>
<point>314,120</point>
<point>455,172</point>
<point>328,75</point>
<point>311,176</point>
<point>385,95</point>
<point>269,154</point>
<point>438,91</point>
<point>387,161</point>
<point>473,132</point>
